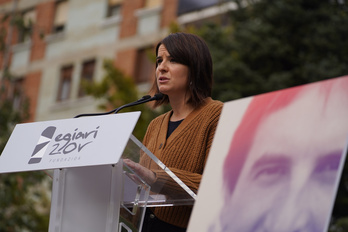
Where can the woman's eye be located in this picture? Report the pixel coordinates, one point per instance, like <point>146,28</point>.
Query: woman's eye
<point>159,61</point>
<point>172,60</point>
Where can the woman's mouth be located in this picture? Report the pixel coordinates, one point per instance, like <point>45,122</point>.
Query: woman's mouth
<point>163,79</point>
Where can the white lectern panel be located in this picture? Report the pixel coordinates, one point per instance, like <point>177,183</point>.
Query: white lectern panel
<point>68,143</point>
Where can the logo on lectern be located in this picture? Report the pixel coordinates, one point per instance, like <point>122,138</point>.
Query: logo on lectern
<point>42,144</point>
<point>64,143</point>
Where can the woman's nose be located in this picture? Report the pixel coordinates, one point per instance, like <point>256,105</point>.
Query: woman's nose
<point>162,67</point>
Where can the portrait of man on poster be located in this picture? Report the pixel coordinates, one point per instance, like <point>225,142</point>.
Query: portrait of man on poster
<point>284,160</point>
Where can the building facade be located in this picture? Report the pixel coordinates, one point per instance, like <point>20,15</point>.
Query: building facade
<point>55,44</point>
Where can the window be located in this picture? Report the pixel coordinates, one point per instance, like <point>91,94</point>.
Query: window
<point>18,93</point>
<point>146,68</point>
<point>152,3</point>
<point>60,16</point>
<point>25,25</point>
<point>114,8</point>
<point>65,83</point>
<point>87,74</point>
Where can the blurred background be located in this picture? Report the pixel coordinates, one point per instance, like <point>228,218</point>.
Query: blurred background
<point>61,58</point>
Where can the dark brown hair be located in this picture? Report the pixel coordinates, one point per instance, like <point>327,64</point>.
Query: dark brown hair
<point>192,51</point>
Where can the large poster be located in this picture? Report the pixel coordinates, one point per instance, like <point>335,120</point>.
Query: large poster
<point>275,161</point>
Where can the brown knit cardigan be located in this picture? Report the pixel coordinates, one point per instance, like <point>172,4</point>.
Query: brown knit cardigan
<point>184,152</point>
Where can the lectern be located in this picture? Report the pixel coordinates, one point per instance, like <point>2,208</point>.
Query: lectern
<point>93,190</point>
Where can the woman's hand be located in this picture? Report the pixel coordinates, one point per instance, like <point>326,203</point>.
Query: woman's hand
<point>146,174</point>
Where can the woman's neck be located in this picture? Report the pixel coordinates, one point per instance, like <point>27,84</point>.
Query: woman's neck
<point>180,109</point>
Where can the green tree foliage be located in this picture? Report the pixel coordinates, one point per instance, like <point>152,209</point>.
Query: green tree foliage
<point>116,89</point>
<point>24,203</point>
<point>272,45</point>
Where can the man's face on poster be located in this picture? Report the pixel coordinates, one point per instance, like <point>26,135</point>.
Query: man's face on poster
<point>287,182</point>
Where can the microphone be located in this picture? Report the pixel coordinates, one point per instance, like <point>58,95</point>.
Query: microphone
<point>142,100</point>
<point>147,98</point>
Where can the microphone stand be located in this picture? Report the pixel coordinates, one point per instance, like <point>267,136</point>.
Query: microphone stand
<point>157,96</point>
<point>142,100</point>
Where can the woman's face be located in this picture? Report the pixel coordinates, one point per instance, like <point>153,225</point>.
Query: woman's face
<point>171,77</point>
